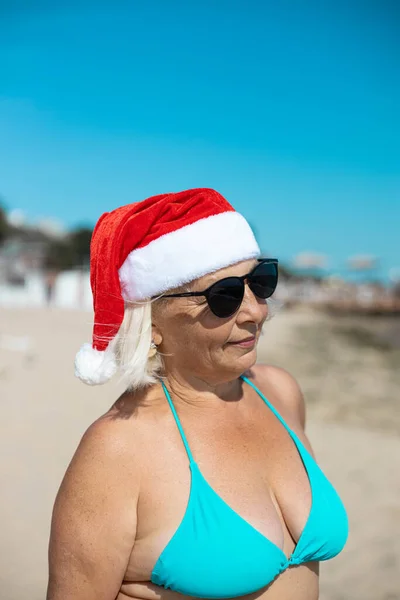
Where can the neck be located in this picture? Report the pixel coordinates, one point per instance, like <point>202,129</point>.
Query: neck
<point>197,391</point>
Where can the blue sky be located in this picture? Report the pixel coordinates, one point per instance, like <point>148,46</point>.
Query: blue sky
<point>289,109</point>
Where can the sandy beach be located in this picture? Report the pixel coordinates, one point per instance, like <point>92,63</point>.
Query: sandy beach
<point>352,392</point>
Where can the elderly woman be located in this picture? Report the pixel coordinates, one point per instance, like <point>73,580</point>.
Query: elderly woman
<point>199,481</point>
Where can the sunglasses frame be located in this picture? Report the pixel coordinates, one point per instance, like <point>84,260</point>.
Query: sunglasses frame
<point>242,279</point>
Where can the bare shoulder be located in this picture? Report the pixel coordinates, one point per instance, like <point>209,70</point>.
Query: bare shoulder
<point>103,474</point>
<point>282,390</point>
<point>112,449</point>
<point>94,517</point>
<point>107,444</point>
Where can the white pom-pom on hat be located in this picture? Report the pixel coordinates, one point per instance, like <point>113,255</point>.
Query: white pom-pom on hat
<point>95,367</point>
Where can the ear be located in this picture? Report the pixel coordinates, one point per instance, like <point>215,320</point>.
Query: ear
<point>156,335</point>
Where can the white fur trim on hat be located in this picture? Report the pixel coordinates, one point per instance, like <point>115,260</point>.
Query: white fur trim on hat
<point>93,366</point>
<point>183,255</point>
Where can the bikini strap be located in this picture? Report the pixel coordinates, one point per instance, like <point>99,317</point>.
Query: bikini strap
<point>178,423</point>
<point>278,416</point>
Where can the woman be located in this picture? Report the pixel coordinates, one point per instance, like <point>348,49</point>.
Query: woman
<point>199,481</point>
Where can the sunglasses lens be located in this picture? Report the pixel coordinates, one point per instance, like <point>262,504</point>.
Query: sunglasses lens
<point>264,279</point>
<point>225,297</point>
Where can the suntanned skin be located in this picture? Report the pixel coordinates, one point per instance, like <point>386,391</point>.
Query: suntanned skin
<point>126,489</point>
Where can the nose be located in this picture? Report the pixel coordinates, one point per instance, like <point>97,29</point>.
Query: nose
<point>252,308</point>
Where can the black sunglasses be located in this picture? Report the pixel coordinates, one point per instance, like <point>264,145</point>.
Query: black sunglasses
<point>225,296</point>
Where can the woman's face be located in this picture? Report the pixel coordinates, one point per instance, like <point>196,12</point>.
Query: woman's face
<point>197,343</point>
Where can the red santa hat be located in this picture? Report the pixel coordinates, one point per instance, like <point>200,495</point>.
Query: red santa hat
<point>146,248</point>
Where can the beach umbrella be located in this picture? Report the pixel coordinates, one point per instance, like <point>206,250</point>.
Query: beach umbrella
<point>310,264</point>
<point>310,260</point>
<point>362,262</point>
<point>365,266</point>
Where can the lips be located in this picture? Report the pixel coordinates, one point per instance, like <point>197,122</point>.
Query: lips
<point>248,339</point>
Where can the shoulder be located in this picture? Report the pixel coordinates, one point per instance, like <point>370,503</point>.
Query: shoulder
<point>112,449</point>
<point>117,444</point>
<point>93,523</point>
<point>282,390</point>
<point>103,460</point>
<point>107,440</point>
<point>100,485</point>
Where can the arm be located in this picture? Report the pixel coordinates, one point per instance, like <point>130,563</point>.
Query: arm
<point>94,519</point>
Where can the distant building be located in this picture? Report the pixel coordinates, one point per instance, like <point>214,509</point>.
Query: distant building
<point>20,254</point>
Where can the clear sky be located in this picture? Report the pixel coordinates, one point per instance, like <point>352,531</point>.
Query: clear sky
<point>289,109</point>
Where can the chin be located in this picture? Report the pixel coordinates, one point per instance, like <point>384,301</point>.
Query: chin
<point>244,362</point>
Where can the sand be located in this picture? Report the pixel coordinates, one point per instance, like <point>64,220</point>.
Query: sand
<point>353,428</point>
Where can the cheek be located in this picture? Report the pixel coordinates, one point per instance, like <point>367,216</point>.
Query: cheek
<point>206,339</point>
<point>214,339</point>
<point>266,312</point>
<point>197,332</point>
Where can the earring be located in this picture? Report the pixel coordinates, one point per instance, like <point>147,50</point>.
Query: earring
<point>153,350</point>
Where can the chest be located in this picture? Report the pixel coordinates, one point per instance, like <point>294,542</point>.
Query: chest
<point>249,460</point>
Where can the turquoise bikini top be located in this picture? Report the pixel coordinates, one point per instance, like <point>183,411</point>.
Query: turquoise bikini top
<point>215,553</point>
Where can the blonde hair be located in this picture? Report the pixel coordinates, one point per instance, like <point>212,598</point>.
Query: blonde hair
<point>132,345</point>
